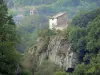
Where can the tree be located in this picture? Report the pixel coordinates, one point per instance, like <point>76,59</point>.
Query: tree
<point>93,38</point>
<point>9,57</point>
<point>60,73</point>
<point>82,20</point>
<point>87,39</point>
<point>47,68</point>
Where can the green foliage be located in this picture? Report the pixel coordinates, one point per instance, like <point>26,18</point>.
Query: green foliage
<point>83,36</point>
<point>76,37</point>
<point>82,20</point>
<point>70,6</point>
<point>32,2</point>
<point>90,69</point>
<point>60,73</point>
<point>45,36</point>
<point>9,57</point>
<point>25,72</point>
<point>93,38</point>
<point>86,42</point>
<point>28,30</point>
<point>46,32</point>
<point>50,7</point>
<point>34,22</point>
<point>47,68</point>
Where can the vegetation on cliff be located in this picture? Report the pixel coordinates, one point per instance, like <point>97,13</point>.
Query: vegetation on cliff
<point>84,37</point>
<point>28,30</point>
<point>83,34</point>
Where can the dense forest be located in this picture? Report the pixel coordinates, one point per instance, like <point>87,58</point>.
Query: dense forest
<point>50,7</point>
<point>9,57</point>
<point>83,34</point>
<point>44,9</point>
<point>39,2</point>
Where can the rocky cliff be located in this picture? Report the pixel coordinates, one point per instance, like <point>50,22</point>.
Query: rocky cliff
<point>56,49</point>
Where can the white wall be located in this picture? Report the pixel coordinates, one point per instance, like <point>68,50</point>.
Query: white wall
<point>52,23</point>
<point>31,12</point>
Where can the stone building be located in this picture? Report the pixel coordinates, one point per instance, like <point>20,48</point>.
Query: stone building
<point>32,11</point>
<point>58,22</point>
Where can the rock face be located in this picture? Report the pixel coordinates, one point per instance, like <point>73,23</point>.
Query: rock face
<point>57,50</point>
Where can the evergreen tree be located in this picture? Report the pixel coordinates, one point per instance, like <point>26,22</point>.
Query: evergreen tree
<point>8,54</point>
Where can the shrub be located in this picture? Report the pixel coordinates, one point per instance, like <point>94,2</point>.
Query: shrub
<point>60,73</point>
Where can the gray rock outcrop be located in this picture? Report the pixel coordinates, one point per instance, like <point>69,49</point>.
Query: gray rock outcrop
<point>57,51</point>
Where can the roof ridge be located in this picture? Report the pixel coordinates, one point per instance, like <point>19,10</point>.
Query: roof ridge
<point>59,14</point>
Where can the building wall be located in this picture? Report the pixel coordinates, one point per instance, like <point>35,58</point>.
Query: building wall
<point>31,12</point>
<point>52,23</point>
<point>62,20</point>
<point>59,23</point>
<point>61,28</point>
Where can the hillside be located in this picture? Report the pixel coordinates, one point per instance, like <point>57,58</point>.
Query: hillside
<point>61,50</point>
<point>76,47</point>
<point>49,7</point>
<point>44,9</point>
